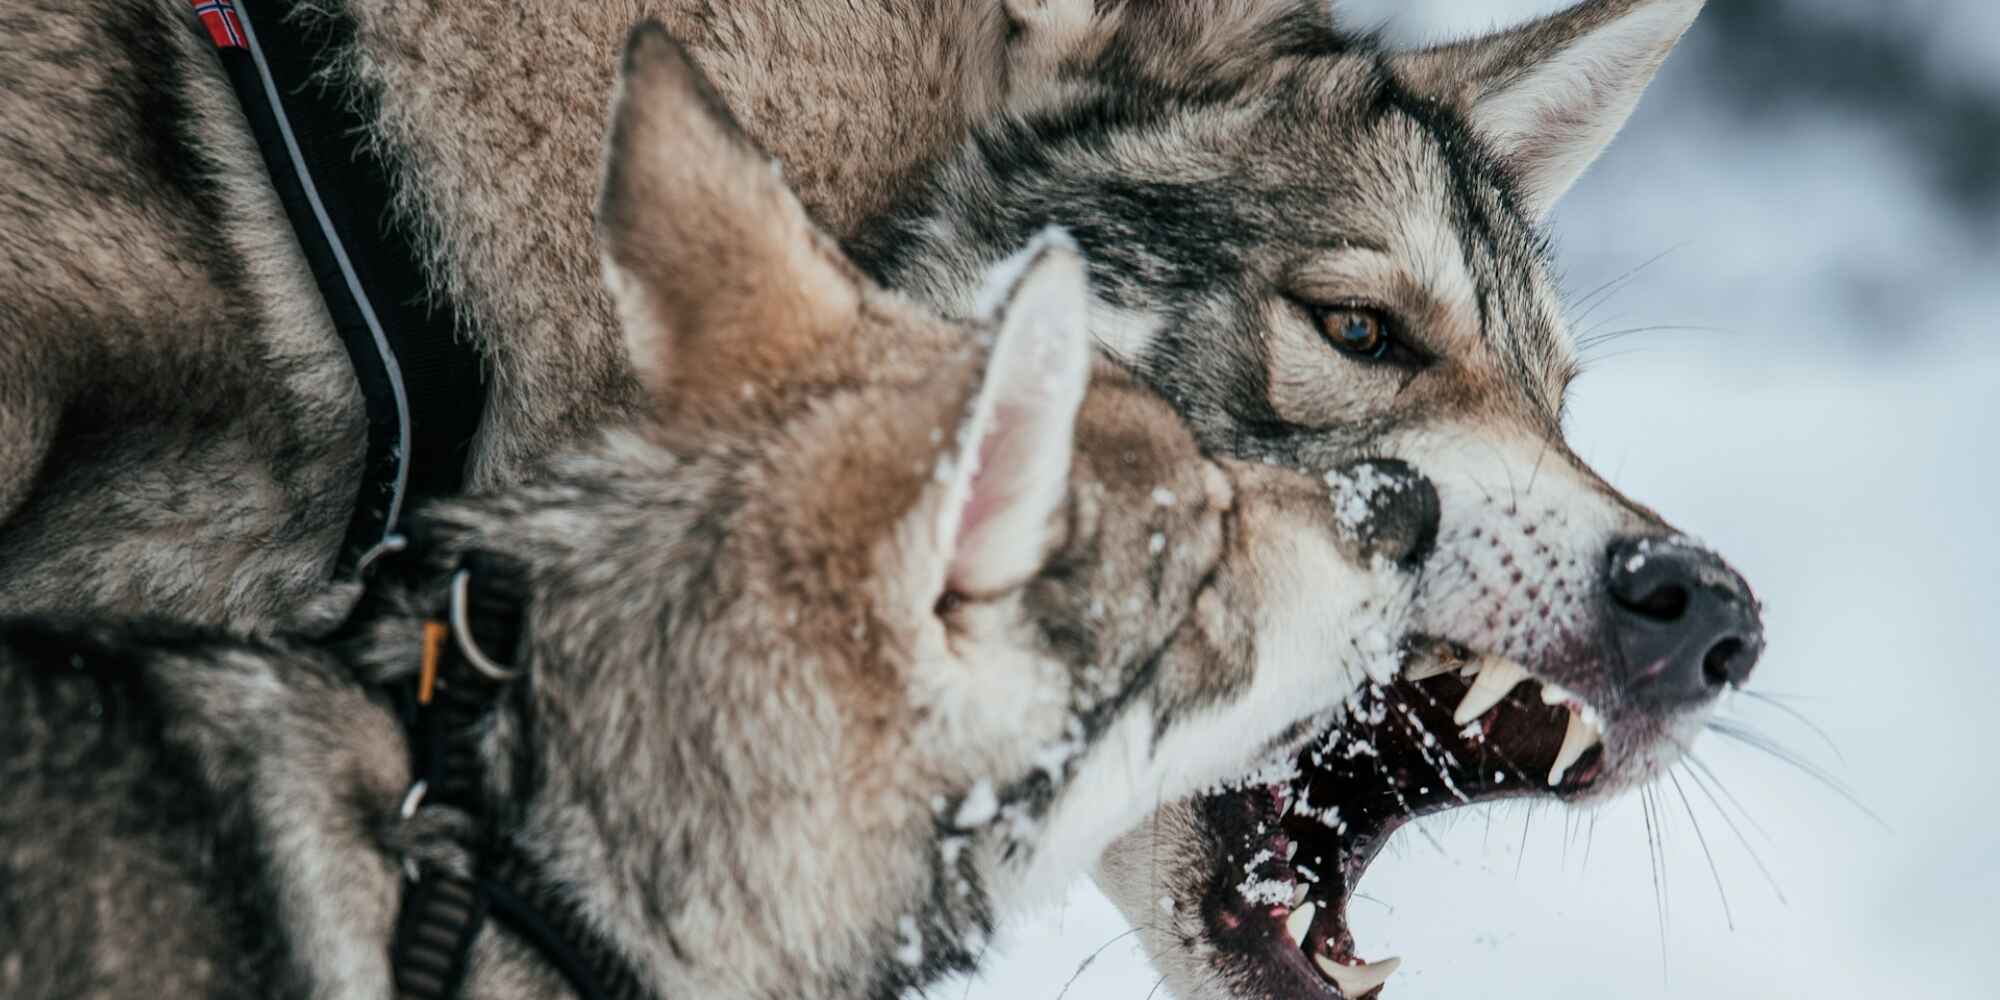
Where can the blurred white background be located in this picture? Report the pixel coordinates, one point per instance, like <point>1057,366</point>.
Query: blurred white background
<point>1810,197</point>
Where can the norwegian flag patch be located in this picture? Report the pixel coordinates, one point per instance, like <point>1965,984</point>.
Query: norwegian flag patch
<point>225,27</point>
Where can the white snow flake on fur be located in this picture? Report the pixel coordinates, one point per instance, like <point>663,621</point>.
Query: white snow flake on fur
<point>1054,758</point>
<point>1276,770</point>
<point>1353,493</point>
<point>910,947</point>
<point>979,807</point>
<point>1263,891</point>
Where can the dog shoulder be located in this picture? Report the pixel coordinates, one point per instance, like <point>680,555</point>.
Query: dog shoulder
<point>168,786</point>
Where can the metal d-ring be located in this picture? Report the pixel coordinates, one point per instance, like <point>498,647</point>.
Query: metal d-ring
<point>462,633</point>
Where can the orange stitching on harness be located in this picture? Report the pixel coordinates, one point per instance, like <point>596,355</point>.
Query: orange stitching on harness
<point>434,635</point>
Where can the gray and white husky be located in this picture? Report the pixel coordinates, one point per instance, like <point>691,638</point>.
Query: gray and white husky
<point>1316,249</point>
<point>869,628</point>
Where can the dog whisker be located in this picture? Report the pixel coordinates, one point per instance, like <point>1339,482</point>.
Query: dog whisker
<point>1588,344</point>
<point>1701,838</point>
<point>1090,959</point>
<point>1571,821</point>
<point>1389,782</point>
<point>1787,696</point>
<point>1419,732</point>
<point>1695,774</point>
<point>1656,862</point>
<point>1703,767</point>
<point>1590,839</point>
<point>1521,855</point>
<point>1518,773</point>
<point>1537,472</point>
<point>1779,706</point>
<point>1782,753</point>
<point>1486,838</point>
<point>1611,288</point>
<point>1598,359</point>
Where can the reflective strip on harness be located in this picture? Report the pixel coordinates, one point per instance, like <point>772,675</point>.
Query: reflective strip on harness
<point>338,194</point>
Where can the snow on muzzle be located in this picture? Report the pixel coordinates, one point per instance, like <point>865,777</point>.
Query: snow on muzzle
<point>1543,572</point>
<point>1564,643</point>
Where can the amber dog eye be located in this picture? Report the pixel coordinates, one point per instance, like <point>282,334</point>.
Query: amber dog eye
<point>1355,331</point>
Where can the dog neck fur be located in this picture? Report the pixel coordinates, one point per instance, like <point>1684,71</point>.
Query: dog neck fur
<point>840,674</point>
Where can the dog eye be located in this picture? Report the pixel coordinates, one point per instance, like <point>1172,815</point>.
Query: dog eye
<point>1358,332</point>
<point>1368,334</point>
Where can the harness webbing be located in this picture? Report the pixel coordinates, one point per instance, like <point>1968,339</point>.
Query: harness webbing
<point>338,194</point>
<point>422,385</point>
<point>448,710</point>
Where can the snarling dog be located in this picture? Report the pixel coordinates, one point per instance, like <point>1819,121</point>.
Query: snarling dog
<point>1320,249</point>
<point>1317,250</point>
<point>871,627</point>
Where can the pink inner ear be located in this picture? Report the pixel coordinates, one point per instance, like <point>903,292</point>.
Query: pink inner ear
<point>984,495</point>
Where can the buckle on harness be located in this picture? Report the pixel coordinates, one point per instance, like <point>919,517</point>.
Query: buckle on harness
<point>467,645</point>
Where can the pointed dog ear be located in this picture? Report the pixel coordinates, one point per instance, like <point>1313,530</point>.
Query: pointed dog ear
<point>1549,96</point>
<point>718,274</point>
<point>994,512</point>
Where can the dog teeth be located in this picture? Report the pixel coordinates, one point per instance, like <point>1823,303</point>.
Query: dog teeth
<point>1357,981</point>
<point>1431,667</point>
<point>1300,923</point>
<point>1577,741</point>
<point>1299,895</point>
<point>1497,677</point>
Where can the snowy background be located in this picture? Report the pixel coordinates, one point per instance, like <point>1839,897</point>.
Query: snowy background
<point>1810,197</point>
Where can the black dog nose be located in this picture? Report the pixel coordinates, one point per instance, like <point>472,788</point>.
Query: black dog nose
<point>1684,620</point>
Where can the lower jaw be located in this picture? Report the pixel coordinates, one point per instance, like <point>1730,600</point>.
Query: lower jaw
<point>1277,904</point>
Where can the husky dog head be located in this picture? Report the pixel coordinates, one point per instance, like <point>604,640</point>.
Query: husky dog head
<point>878,622</point>
<point>1319,250</point>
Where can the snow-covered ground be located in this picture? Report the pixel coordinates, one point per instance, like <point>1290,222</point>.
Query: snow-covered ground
<point>1830,420</point>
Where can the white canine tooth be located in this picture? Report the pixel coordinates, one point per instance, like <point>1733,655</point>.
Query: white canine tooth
<point>1300,923</point>
<point>1291,850</point>
<point>1577,740</point>
<point>1299,895</point>
<point>1357,981</point>
<point>1434,666</point>
<point>1497,677</point>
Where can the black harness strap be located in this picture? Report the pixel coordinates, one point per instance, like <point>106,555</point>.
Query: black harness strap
<point>448,709</point>
<point>338,194</point>
<point>423,386</point>
<point>557,930</point>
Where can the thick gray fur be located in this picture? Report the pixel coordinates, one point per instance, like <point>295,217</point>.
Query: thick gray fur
<point>1232,170</point>
<point>179,429</point>
<point>791,726</point>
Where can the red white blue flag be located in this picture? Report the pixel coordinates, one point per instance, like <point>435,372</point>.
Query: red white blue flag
<point>225,27</point>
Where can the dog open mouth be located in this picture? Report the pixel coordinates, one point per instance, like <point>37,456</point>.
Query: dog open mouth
<point>1454,728</point>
